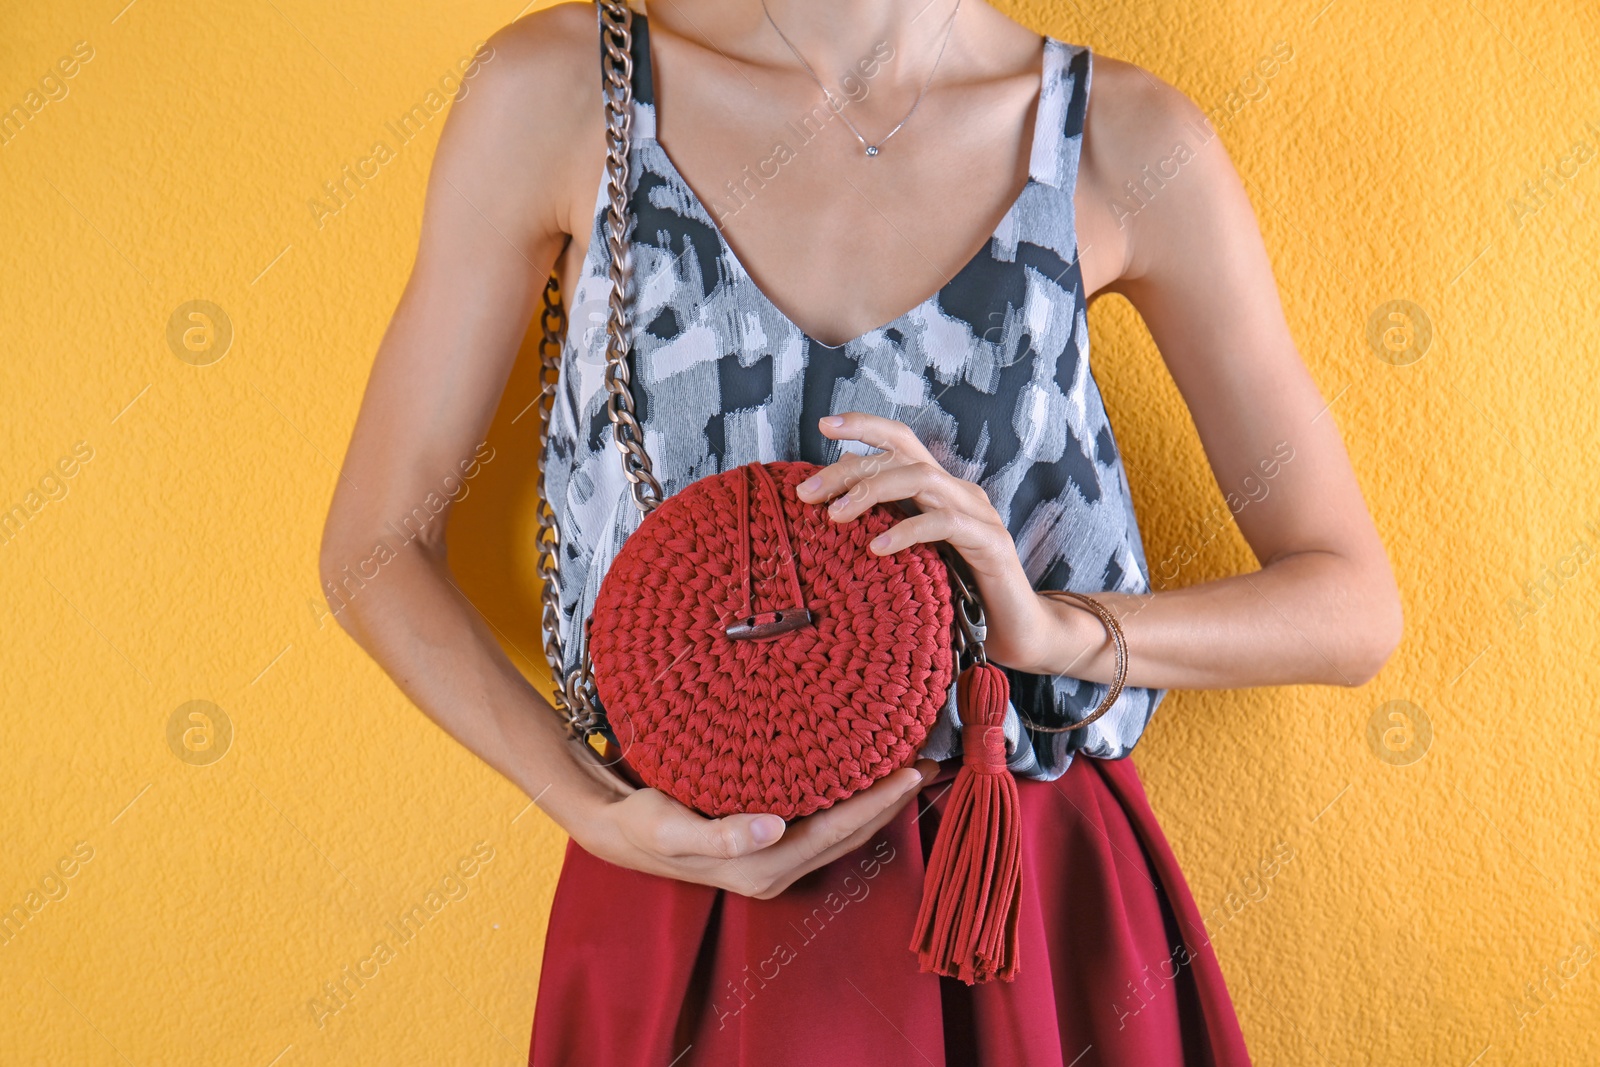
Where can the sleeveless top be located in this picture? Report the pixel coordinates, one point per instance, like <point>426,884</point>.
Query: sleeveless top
<point>991,372</point>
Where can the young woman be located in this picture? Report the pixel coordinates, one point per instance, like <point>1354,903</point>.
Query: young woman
<point>866,227</point>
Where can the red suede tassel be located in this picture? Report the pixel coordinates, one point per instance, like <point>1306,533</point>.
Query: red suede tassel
<point>967,924</point>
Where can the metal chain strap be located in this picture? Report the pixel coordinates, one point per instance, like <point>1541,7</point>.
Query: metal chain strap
<point>575,698</point>
<point>574,690</point>
<point>617,36</point>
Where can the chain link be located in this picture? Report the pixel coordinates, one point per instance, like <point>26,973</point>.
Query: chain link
<point>574,692</point>
<point>626,433</point>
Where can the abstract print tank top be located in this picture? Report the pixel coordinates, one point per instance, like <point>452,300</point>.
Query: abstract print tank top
<point>991,372</point>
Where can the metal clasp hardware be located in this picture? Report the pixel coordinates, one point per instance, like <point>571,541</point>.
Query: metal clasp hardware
<point>972,626</point>
<point>766,624</point>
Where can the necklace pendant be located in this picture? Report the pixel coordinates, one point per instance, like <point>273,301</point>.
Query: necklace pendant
<point>872,150</point>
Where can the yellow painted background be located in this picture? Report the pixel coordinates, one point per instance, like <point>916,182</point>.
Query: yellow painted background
<point>1441,911</point>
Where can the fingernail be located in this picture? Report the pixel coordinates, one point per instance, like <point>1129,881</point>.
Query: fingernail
<point>840,501</point>
<point>833,420</point>
<point>766,831</point>
<point>881,542</point>
<point>810,485</point>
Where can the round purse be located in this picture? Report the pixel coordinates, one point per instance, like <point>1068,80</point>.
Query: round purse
<point>749,654</point>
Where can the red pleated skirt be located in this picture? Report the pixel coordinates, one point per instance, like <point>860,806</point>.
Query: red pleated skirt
<point>1116,967</point>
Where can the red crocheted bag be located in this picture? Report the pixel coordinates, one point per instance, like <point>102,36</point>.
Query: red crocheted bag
<point>752,654</point>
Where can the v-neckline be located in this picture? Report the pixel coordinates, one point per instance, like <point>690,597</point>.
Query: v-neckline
<point>726,251</point>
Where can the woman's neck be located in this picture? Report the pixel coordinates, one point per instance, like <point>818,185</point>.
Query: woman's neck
<point>832,35</point>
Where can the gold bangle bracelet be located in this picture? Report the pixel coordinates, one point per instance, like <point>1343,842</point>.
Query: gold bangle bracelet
<point>1118,641</point>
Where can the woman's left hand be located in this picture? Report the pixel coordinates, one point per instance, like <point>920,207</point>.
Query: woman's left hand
<point>951,510</point>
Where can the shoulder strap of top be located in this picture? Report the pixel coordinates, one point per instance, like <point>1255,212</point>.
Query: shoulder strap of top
<point>1063,103</point>
<point>643,78</point>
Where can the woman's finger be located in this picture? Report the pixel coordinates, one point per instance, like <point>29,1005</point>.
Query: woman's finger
<point>900,446</point>
<point>813,840</point>
<point>928,484</point>
<point>673,830</point>
<point>767,872</point>
<point>686,844</point>
<point>891,435</point>
<point>814,835</point>
<point>973,538</point>
<point>929,769</point>
<point>839,476</point>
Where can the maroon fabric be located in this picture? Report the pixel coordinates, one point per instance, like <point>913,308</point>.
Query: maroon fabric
<point>1116,967</point>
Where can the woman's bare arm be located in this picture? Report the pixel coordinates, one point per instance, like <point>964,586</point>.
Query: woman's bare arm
<point>1324,607</point>
<point>517,160</point>
<point>491,229</point>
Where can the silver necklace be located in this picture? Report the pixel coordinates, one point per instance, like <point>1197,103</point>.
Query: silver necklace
<point>870,148</point>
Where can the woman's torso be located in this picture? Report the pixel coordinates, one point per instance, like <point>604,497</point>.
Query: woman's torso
<point>991,371</point>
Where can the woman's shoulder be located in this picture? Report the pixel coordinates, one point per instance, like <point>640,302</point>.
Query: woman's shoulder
<point>1133,112</point>
<point>526,129</point>
<point>1139,133</point>
<point>539,76</point>
<point>556,48</point>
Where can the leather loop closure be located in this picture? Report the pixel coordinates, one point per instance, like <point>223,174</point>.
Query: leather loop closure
<point>752,625</point>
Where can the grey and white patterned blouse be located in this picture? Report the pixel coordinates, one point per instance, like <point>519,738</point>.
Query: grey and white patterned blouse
<point>991,372</point>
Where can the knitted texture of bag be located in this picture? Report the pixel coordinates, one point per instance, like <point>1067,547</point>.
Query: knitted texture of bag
<point>786,715</point>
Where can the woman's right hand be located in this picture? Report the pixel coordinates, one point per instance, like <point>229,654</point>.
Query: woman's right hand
<point>754,855</point>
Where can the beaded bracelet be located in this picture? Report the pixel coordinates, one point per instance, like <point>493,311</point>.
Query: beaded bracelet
<point>1114,629</point>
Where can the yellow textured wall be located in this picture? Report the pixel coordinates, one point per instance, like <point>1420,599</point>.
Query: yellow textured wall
<point>192,874</point>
